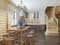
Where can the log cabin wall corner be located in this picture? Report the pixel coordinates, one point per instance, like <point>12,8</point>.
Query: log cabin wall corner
<point>3,17</point>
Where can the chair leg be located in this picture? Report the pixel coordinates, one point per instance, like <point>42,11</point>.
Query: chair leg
<point>9,43</point>
<point>5,43</point>
<point>30,42</point>
<point>14,42</point>
<point>26,42</point>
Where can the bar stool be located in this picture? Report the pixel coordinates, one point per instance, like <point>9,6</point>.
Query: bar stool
<point>9,40</point>
<point>1,40</point>
<point>30,39</point>
<point>16,44</point>
<point>31,32</point>
<point>5,35</point>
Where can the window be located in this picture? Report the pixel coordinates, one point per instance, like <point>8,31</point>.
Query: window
<point>37,15</point>
<point>34,15</point>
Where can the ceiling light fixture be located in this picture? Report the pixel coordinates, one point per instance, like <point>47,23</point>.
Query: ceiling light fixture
<point>21,5</point>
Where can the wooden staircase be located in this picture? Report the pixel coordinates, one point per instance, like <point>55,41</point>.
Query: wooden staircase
<point>52,25</point>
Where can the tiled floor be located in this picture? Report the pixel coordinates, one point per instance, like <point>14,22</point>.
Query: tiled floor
<point>41,39</point>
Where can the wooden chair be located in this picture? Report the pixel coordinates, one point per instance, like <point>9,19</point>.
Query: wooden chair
<point>31,32</point>
<point>1,40</point>
<point>9,41</point>
<point>29,40</point>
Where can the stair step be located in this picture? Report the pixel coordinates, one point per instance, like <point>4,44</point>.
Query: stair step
<point>52,28</point>
<point>51,24</point>
<point>53,34</point>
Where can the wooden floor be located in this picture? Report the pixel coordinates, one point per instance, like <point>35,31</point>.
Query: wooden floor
<point>41,39</point>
